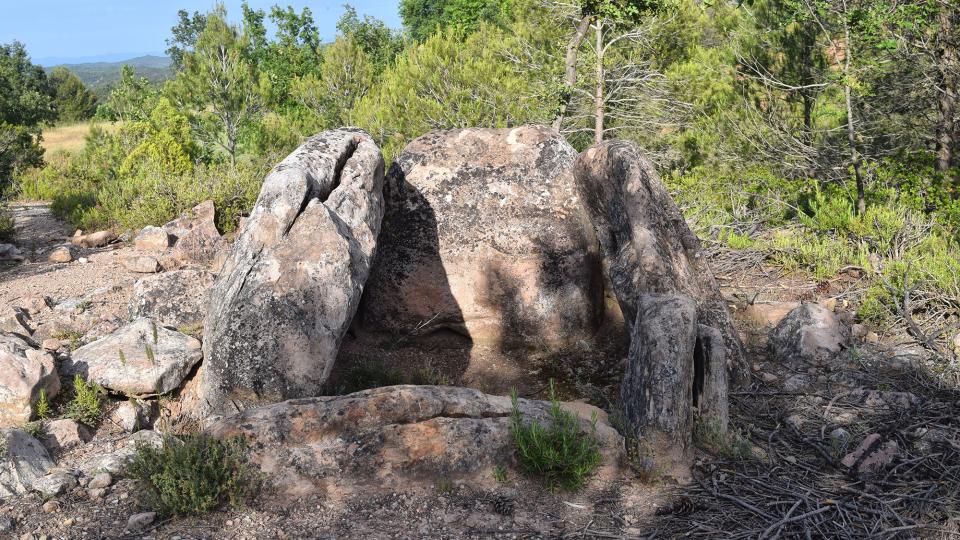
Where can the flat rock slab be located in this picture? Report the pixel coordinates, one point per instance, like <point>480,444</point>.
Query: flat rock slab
<point>141,358</point>
<point>399,436</point>
<point>288,292</point>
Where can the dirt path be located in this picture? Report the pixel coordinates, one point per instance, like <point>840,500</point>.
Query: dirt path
<point>37,231</point>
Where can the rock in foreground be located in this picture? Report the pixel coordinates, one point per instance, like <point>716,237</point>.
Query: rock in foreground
<point>287,293</point>
<point>24,372</point>
<point>173,299</point>
<point>142,358</point>
<point>395,436</point>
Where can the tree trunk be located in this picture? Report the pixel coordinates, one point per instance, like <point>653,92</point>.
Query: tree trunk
<point>851,129</point>
<point>947,103</point>
<point>598,126</point>
<point>570,77</point>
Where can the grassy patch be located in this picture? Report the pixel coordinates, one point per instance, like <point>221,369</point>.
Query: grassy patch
<point>6,224</point>
<point>561,453</point>
<point>194,475</point>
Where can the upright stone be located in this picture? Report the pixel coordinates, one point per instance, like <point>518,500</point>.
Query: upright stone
<point>484,234</point>
<point>290,287</point>
<point>647,245</point>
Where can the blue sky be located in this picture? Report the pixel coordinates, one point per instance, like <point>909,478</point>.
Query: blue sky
<point>59,30</point>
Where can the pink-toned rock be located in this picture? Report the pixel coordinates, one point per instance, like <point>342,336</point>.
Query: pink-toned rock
<point>197,239</point>
<point>94,240</point>
<point>152,239</point>
<point>142,264</point>
<point>24,372</point>
<point>391,437</point>
<point>64,434</point>
<point>872,454</point>
<point>769,314</point>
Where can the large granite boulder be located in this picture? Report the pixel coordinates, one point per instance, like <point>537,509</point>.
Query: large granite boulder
<point>484,235</point>
<point>392,437</point>
<point>289,289</point>
<point>141,358</point>
<point>24,372</point>
<point>648,247</point>
<point>173,299</point>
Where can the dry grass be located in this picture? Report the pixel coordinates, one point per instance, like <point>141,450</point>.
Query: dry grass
<point>71,138</point>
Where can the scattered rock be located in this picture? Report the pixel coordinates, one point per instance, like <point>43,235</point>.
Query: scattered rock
<point>810,333</point>
<point>139,359</point>
<point>829,303</point>
<point>64,434</point>
<point>61,254</point>
<point>796,383</point>
<point>392,436</point>
<point>303,258</point>
<point>115,461</point>
<point>152,239</point>
<point>54,484</point>
<point>768,377</point>
<point>14,321</point>
<point>95,494</point>
<point>50,344</point>
<point>647,246</point>
<point>142,264</point>
<point>173,299</point>
<point>138,522</point>
<point>872,338</point>
<point>23,462</point>
<point>50,507</point>
<point>858,331</point>
<point>100,481</point>
<point>36,304</point>
<point>485,234</point>
<point>197,237</point>
<point>132,415</point>
<point>83,260</point>
<point>872,454</point>
<point>9,252</point>
<point>94,240</point>
<point>769,314</point>
<point>839,436</point>
<point>24,372</point>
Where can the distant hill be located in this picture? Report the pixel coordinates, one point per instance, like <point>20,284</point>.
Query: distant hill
<point>101,76</point>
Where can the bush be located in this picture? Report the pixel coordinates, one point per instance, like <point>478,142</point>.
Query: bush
<point>562,453</point>
<point>6,224</point>
<point>194,475</point>
<point>86,405</point>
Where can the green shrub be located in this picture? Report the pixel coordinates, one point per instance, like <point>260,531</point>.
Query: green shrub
<point>194,475</point>
<point>42,409</point>
<point>561,453</point>
<point>86,406</point>
<point>6,224</point>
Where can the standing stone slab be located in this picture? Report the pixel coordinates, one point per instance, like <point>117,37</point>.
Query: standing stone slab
<point>484,234</point>
<point>647,245</point>
<point>657,388</point>
<point>290,287</point>
<point>142,358</point>
<point>24,372</point>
